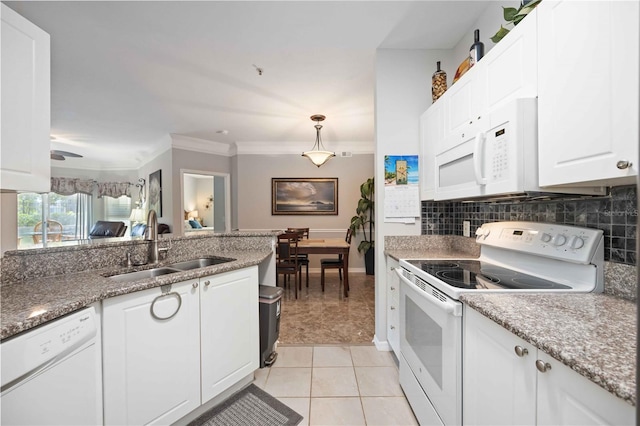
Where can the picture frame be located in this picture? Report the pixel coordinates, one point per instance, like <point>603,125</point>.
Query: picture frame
<point>155,192</point>
<point>304,196</point>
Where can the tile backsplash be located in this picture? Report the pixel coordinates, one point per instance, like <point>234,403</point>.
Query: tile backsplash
<point>616,215</point>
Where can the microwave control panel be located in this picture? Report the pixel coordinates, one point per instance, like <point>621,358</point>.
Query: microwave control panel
<point>499,154</point>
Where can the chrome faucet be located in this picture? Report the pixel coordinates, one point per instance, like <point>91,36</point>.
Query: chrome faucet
<point>152,235</point>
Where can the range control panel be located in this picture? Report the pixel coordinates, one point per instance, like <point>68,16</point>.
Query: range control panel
<point>545,239</point>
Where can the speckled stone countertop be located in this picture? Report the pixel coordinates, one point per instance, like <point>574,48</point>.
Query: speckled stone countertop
<point>31,302</point>
<point>594,334</point>
<point>430,247</point>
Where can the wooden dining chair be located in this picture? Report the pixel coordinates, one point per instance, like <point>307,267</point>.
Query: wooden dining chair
<point>335,263</point>
<point>303,258</point>
<point>54,227</point>
<point>287,260</point>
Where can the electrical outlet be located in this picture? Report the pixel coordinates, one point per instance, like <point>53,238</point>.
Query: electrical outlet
<point>466,228</point>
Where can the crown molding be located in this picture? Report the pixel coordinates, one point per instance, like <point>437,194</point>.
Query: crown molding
<point>284,148</point>
<point>202,145</point>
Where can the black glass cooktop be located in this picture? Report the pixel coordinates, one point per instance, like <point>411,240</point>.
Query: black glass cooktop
<point>476,275</point>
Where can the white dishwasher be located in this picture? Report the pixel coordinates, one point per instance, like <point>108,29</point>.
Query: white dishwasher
<point>51,375</point>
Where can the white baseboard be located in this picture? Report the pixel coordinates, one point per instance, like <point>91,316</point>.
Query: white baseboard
<point>381,345</point>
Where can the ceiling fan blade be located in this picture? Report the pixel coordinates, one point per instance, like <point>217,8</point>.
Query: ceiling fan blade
<point>65,153</point>
<point>57,157</point>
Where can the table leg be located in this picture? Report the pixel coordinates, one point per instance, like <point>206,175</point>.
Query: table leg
<point>345,257</point>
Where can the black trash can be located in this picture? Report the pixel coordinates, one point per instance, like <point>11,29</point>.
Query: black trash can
<point>270,298</point>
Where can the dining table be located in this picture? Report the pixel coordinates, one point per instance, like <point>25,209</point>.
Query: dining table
<point>328,246</point>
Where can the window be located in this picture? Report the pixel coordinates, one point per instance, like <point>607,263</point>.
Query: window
<point>72,212</point>
<point>117,209</point>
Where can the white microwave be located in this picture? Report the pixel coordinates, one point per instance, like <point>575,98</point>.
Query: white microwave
<point>497,158</point>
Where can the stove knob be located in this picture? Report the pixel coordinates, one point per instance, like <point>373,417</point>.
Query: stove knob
<point>576,242</point>
<point>559,240</point>
<point>546,237</point>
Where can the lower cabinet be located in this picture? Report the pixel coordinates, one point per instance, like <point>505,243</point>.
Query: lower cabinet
<point>393,305</point>
<point>502,384</point>
<point>229,327</point>
<point>167,350</point>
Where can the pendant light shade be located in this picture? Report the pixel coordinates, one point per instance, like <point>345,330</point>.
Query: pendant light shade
<point>318,155</point>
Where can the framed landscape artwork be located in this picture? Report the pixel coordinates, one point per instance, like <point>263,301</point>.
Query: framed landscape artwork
<point>304,196</point>
<point>155,192</point>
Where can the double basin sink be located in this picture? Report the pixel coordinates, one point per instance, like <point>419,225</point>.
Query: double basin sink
<point>170,269</point>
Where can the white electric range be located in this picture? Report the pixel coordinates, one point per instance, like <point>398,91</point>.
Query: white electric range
<point>514,257</point>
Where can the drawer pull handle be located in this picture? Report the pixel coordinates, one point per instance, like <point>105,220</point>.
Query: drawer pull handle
<point>520,351</point>
<point>623,164</point>
<point>542,366</point>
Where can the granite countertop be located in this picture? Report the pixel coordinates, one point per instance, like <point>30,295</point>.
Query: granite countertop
<point>29,303</point>
<point>594,334</point>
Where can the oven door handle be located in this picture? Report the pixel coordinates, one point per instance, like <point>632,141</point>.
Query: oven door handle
<point>450,307</point>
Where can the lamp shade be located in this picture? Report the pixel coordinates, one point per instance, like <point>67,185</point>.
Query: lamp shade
<point>318,155</point>
<point>192,214</point>
<point>137,215</point>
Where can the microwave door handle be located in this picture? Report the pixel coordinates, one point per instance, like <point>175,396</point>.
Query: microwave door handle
<point>477,164</point>
<point>449,308</point>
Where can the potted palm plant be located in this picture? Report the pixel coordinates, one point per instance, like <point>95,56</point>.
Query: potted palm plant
<point>364,220</point>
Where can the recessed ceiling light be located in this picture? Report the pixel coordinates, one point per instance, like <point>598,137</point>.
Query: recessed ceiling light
<point>223,132</point>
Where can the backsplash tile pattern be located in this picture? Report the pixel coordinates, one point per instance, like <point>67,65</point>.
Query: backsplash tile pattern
<point>616,215</point>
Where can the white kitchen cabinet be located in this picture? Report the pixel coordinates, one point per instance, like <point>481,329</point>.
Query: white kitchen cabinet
<point>463,105</point>
<point>151,367</point>
<point>510,69</point>
<point>588,56</point>
<point>503,386</point>
<point>393,305</point>
<point>158,370</point>
<point>431,134</point>
<point>229,328</point>
<point>25,109</point>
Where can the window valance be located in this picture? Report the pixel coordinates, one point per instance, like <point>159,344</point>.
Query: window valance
<point>114,189</point>
<point>70,186</point>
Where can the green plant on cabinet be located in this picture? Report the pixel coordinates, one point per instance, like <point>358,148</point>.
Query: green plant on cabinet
<point>514,16</point>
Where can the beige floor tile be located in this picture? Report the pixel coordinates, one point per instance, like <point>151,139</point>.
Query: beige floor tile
<point>369,356</point>
<point>336,411</point>
<point>378,381</point>
<point>300,406</point>
<point>289,382</point>
<point>260,377</point>
<point>294,356</point>
<point>391,411</point>
<point>332,356</point>
<point>333,381</point>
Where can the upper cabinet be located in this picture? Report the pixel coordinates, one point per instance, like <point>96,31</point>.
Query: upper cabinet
<point>25,81</point>
<point>588,92</point>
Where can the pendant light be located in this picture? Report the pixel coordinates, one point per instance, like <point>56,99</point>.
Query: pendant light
<point>318,155</point>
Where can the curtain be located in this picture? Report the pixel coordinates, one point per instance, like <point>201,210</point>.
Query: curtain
<point>70,186</point>
<point>84,214</point>
<point>114,189</point>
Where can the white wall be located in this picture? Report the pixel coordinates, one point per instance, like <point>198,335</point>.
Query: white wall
<point>402,94</point>
<point>254,201</point>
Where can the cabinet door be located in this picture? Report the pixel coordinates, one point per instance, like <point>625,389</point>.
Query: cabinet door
<point>431,135</point>
<point>229,329</point>
<point>499,386</point>
<point>25,75</point>
<point>463,107</point>
<point>151,366</point>
<point>588,91</point>
<point>510,69</point>
<point>393,317</point>
<point>567,398</point>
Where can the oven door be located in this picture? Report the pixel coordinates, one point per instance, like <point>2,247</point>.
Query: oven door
<point>431,343</point>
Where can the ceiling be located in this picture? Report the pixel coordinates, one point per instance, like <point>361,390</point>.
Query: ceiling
<point>126,76</point>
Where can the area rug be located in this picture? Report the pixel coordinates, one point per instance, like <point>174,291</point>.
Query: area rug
<point>250,406</point>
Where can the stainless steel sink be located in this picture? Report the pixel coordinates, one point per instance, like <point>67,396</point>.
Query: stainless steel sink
<point>139,275</point>
<point>200,263</point>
